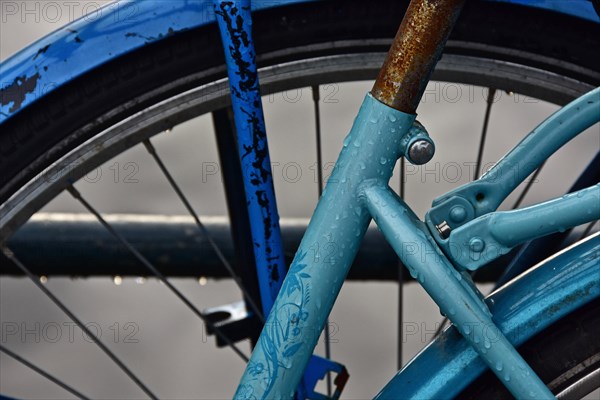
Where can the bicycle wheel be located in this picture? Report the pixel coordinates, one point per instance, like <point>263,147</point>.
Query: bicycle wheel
<point>160,86</point>
<point>566,356</point>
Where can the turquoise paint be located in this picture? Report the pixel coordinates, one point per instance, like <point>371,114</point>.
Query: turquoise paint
<point>377,139</point>
<point>490,236</point>
<point>522,308</point>
<point>484,195</point>
<point>459,302</point>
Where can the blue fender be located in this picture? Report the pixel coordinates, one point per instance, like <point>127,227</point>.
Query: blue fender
<point>127,25</point>
<point>578,8</point>
<point>93,40</point>
<point>522,308</point>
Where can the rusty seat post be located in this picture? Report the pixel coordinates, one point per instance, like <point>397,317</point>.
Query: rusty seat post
<point>414,53</point>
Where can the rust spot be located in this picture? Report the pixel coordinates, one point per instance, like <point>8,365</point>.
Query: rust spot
<point>416,49</point>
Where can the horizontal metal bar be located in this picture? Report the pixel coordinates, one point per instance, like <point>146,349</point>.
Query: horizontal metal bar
<point>59,244</point>
<point>76,245</point>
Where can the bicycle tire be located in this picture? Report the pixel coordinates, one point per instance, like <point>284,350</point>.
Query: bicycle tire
<point>34,138</point>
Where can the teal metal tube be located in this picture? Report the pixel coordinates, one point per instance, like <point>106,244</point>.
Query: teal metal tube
<point>417,249</point>
<point>523,308</point>
<point>490,236</point>
<point>488,192</point>
<point>377,139</point>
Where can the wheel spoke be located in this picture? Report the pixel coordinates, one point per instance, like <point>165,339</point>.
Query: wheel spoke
<point>40,371</point>
<point>400,279</point>
<point>528,185</point>
<point>152,150</point>
<point>587,230</point>
<point>316,102</point>
<point>154,271</point>
<point>484,129</point>
<point>35,279</point>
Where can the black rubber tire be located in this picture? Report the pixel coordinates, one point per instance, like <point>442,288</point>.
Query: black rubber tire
<point>25,139</point>
<point>560,355</point>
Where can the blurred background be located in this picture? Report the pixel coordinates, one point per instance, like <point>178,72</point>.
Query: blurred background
<point>150,329</point>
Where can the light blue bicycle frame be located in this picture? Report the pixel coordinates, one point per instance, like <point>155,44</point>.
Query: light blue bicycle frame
<point>357,192</point>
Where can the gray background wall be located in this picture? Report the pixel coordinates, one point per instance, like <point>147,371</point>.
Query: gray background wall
<point>151,330</point>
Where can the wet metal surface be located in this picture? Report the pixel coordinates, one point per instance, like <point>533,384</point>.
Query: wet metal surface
<point>414,52</point>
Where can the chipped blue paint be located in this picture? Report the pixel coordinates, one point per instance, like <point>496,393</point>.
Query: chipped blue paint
<point>235,24</point>
<point>522,308</point>
<point>325,254</point>
<point>91,41</point>
<point>127,25</point>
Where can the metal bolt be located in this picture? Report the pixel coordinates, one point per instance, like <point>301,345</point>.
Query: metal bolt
<point>458,214</point>
<point>477,244</point>
<point>444,229</point>
<point>421,151</point>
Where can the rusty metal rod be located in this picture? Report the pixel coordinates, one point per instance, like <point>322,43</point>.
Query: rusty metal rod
<point>414,53</point>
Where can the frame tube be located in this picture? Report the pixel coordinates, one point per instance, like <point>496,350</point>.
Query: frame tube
<point>235,24</point>
<point>488,192</point>
<point>416,248</point>
<point>522,308</point>
<point>415,51</point>
<point>498,232</point>
<point>331,241</point>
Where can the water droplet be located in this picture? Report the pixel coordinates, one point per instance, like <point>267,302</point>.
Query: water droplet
<point>117,280</point>
<point>499,366</point>
<point>452,311</point>
<point>202,281</point>
<point>392,118</point>
<point>356,143</point>
<point>467,329</point>
<point>486,343</point>
<point>43,279</point>
<point>507,378</point>
<point>362,165</point>
<point>373,120</point>
<point>347,141</point>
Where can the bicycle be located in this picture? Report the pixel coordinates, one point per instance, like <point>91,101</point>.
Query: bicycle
<point>373,194</point>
